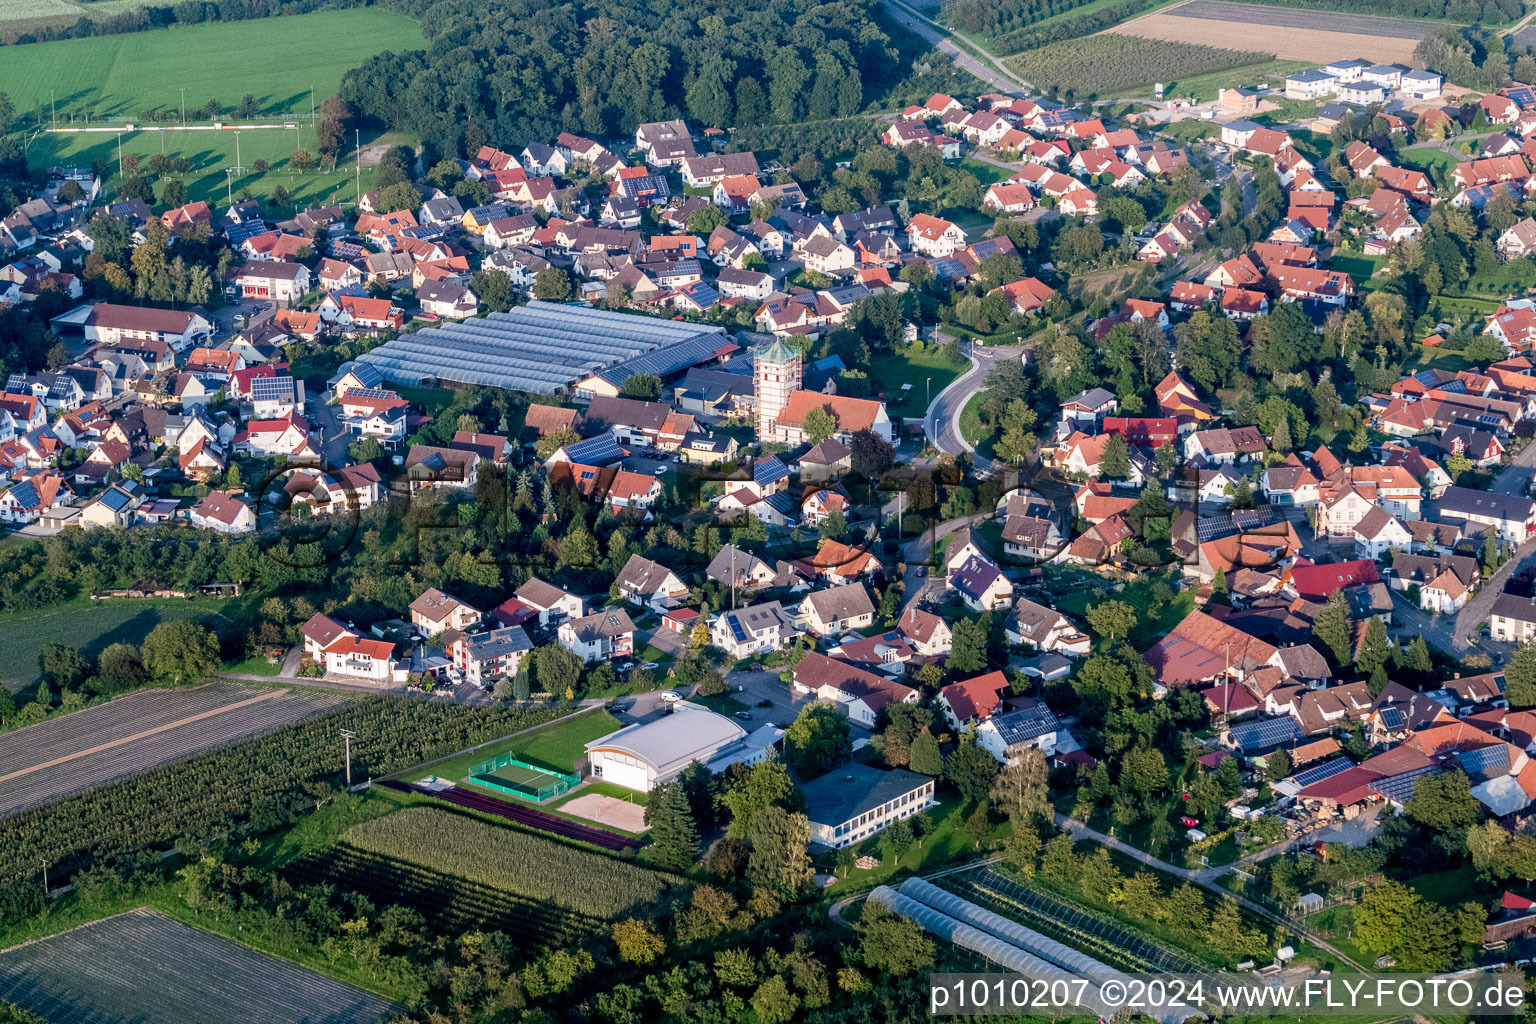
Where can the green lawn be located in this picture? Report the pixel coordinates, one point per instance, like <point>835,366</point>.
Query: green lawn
<point>986,173</point>
<point>1205,87</point>
<point>971,428</point>
<point>557,745</point>
<point>1358,266</point>
<point>279,60</point>
<point>724,704</point>
<point>1426,358</point>
<point>257,666</point>
<point>1154,618</point>
<point>104,623</point>
<point>1426,159</point>
<point>1191,129</point>
<point>928,371</point>
<point>943,844</point>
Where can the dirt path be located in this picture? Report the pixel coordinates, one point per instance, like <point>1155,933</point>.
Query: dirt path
<point>141,735</point>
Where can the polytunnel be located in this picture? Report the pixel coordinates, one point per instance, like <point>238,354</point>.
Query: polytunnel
<point>1011,931</point>
<point>998,950</point>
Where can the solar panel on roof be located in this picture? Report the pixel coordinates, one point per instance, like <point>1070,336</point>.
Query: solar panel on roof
<point>736,629</point>
<point>1269,732</point>
<point>1243,521</point>
<point>1494,757</point>
<point>1399,788</point>
<point>1326,770</point>
<point>269,389</point>
<point>595,451</point>
<point>1392,716</point>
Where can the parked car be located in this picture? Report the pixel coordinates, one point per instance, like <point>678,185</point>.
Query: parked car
<point>1189,822</point>
<point>745,716</point>
<point>670,696</point>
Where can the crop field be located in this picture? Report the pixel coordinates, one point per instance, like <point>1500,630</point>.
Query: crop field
<point>1107,63</point>
<point>590,884</point>
<point>18,16</point>
<point>278,60</point>
<point>129,735</point>
<point>447,902</point>
<point>144,967</point>
<point>1309,35</point>
<point>92,625</point>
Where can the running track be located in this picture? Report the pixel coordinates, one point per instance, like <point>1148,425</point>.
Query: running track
<point>563,827</point>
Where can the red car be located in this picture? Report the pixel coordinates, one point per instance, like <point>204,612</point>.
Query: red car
<point>1189,822</point>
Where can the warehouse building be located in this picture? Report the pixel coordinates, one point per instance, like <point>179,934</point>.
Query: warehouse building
<point>643,756</point>
<point>545,346</point>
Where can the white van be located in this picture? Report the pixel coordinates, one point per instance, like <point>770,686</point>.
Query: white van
<point>670,696</point>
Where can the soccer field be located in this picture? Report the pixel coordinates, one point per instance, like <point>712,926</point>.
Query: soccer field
<point>278,60</point>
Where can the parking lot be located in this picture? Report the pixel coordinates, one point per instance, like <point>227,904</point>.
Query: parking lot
<point>758,686</point>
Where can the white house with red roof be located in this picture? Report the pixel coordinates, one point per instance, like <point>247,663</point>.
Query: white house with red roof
<point>972,700</point>
<point>633,490</point>
<point>224,513</point>
<point>934,236</point>
<point>288,436</point>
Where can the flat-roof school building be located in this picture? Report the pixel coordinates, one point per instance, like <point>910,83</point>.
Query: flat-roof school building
<point>540,348</point>
<point>642,756</point>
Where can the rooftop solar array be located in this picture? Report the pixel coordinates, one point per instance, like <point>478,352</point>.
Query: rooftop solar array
<point>1398,788</point>
<point>540,347</point>
<point>1241,521</point>
<point>1269,732</point>
<point>271,389</point>
<point>1317,773</point>
<point>1492,758</point>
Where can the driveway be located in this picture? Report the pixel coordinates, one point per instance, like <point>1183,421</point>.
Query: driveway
<point>326,418</point>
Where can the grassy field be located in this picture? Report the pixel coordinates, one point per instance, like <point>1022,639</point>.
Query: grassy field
<point>888,372</point>
<point>90,625</point>
<point>971,428</point>
<point>556,745</point>
<point>1205,88</point>
<point>211,152</point>
<point>279,60</point>
<point>1427,159</point>
<point>1153,618</point>
<point>986,173</point>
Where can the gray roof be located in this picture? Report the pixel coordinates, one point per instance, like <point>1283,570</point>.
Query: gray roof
<point>609,622</point>
<point>671,742</point>
<point>538,594</point>
<point>842,602</point>
<point>540,347</point>
<point>848,791</point>
<point>731,558</point>
<point>1025,723</point>
<point>1513,606</point>
<point>498,642</point>
<point>1465,501</point>
<point>643,576</point>
<point>1091,399</point>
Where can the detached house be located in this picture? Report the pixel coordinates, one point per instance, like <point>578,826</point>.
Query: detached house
<point>650,584</point>
<point>435,611</point>
<point>858,694</point>
<point>605,635</point>
<point>838,610</point>
<point>934,236</point>
<point>744,632</point>
<point>1045,629</point>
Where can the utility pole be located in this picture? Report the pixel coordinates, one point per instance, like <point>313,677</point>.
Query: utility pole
<point>45,880</point>
<point>119,154</point>
<point>357,146</point>
<point>347,736</point>
<point>52,110</point>
<point>239,169</point>
<point>229,184</point>
<point>183,108</point>
<point>930,390</point>
<point>311,106</point>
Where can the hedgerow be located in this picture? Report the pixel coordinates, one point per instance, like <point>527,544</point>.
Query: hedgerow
<point>520,863</point>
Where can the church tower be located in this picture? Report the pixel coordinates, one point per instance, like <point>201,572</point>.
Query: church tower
<point>775,375</point>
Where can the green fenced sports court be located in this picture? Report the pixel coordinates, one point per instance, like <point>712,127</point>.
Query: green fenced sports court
<point>506,774</point>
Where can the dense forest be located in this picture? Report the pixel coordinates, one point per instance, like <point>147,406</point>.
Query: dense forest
<point>516,71</point>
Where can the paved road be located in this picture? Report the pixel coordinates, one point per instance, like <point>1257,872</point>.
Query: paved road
<point>942,424</point>
<point>992,71</point>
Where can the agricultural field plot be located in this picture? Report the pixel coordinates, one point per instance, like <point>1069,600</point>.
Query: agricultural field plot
<point>20,16</point>
<point>1309,35</point>
<point>445,901</point>
<point>124,737</point>
<point>90,625</point>
<point>146,968</point>
<point>278,60</point>
<point>1107,64</point>
<point>591,884</point>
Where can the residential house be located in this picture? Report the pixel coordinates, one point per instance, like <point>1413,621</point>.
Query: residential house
<point>434,611</point>
<point>650,584</point>
<point>604,635</point>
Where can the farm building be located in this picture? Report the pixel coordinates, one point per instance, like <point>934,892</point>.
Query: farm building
<point>641,756</point>
<point>544,346</point>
